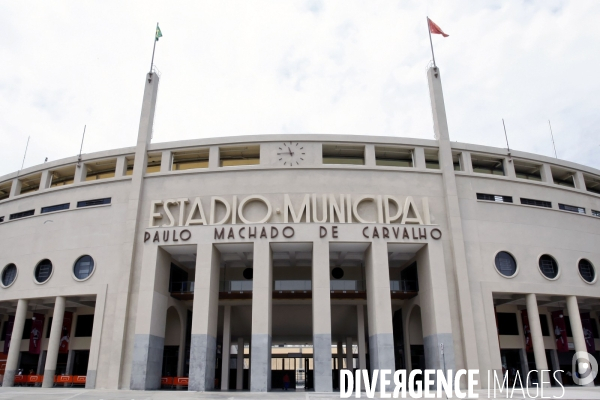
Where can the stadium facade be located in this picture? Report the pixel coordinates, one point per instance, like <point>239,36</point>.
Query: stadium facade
<point>246,262</point>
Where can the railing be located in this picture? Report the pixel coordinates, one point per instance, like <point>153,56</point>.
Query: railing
<point>235,286</point>
<point>292,285</point>
<point>182,287</point>
<point>404,286</point>
<point>347,285</point>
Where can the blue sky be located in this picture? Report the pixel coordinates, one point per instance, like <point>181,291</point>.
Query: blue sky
<point>268,67</point>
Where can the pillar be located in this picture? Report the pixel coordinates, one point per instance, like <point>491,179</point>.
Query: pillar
<point>340,356</point>
<point>509,167</point>
<point>181,354</point>
<point>455,235</point>
<point>579,181</point>
<point>362,353</point>
<point>555,365</point>
<point>12,360</point>
<point>214,157</point>
<point>239,376</point>
<point>121,167</point>
<point>379,307</point>
<point>539,350</point>
<point>419,158</point>
<point>321,315</point>
<point>15,188</point>
<point>577,329</point>
<point>349,355</point>
<point>45,180</point>
<point>546,173</point>
<point>150,324</point>
<point>203,351</point>
<point>165,161</point>
<point>70,361</point>
<point>370,155</point>
<point>54,342</point>
<point>262,293</point>
<point>80,173</point>
<point>226,348</point>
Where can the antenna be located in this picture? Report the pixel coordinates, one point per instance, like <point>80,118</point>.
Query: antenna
<point>552,136</point>
<point>506,136</point>
<point>81,148</point>
<point>24,155</point>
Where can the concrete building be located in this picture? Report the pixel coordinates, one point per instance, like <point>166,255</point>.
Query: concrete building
<point>234,262</point>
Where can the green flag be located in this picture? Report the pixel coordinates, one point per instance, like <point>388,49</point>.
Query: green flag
<point>158,33</point>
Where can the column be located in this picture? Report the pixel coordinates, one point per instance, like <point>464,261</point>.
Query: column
<point>546,173</point>
<point>214,157</point>
<point>555,365</point>
<point>165,161</point>
<point>80,173</point>
<point>379,307</point>
<point>12,360</point>
<point>15,188</point>
<point>362,354</point>
<point>370,155</point>
<point>436,317</point>
<point>577,329</point>
<point>70,361</point>
<point>321,315</point>
<point>239,376</point>
<point>226,348</point>
<point>262,294</point>
<point>54,342</point>
<point>181,354</point>
<point>419,158</point>
<point>579,180</point>
<point>340,357</point>
<point>349,355</point>
<point>151,319</point>
<point>45,179</point>
<point>539,351</point>
<point>121,167</point>
<point>509,167</point>
<point>203,351</point>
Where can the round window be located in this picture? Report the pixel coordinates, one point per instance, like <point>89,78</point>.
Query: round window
<point>84,267</point>
<point>43,271</point>
<point>586,270</point>
<point>506,264</point>
<point>9,274</point>
<point>548,266</point>
<point>248,273</point>
<point>337,273</point>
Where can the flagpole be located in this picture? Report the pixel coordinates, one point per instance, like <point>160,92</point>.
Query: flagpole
<point>430,42</point>
<point>154,48</point>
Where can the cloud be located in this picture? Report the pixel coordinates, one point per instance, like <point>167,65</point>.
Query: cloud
<point>268,67</point>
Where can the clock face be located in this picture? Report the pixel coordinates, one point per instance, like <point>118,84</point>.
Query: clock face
<point>290,154</point>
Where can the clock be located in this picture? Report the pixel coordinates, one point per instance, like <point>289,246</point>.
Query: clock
<point>290,154</point>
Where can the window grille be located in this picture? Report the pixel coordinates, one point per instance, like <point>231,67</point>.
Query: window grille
<point>536,203</point>
<point>574,209</point>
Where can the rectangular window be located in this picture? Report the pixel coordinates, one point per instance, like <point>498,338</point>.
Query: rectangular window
<point>62,176</point>
<point>30,184</point>
<point>537,203</point>
<point>592,183</point>
<point>153,165</point>
<point>84,325</point>
<point>574,209</point>
<point>507,324</point>
<point>391,156</point>
<point>57,207</point>
<point>563,177</point>
<point>95,202</point>
<point>190,159</point>
<point>432,160</point>
<point>239,155</point>
<point>22,214</point>
<point>544,324</point>
<point>4,326</point>
<point>596,213</point>
<point>5,190</point>
<point>494,197</point>
<point>487,165</point>
<point>2,219</point>
<point>528,171</point>
<point>456,162</point>
<point>594,328</point>
<point>103,169</point>
<point>343,154</point>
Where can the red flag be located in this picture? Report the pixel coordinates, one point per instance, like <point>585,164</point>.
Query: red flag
<point>433,28</point>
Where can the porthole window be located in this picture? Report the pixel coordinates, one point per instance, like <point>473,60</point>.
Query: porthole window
<point>9,274</point>
<point>506,264</point>
<point>548,266</point>
<point>43,271</point>
<point>83,268</point>
<point>586,270</point>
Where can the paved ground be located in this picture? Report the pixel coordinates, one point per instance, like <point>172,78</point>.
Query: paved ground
<point>22,393</point>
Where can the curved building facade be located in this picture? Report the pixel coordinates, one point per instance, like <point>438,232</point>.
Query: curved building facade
<point>252,261</point>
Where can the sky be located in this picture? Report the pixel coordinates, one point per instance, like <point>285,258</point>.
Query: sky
<point>347,67</point>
